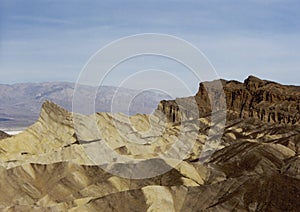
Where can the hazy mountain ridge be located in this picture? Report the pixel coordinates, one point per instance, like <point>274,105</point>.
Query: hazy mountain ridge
<point>20,103</point>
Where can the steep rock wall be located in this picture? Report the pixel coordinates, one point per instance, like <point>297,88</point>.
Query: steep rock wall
<point>264,100</point>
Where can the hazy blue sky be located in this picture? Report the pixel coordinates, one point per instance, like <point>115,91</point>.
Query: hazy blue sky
<point>52,40</point>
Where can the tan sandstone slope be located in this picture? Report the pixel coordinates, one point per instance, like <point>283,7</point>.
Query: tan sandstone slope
<point>254,166</point>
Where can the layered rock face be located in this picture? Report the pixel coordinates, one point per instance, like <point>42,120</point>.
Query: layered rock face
<point>58,164</point>
<point>264,100</point>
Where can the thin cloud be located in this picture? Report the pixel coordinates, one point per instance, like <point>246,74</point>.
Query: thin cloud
<point>39,19</point>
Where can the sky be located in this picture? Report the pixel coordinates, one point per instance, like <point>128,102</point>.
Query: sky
<point>53,40</point>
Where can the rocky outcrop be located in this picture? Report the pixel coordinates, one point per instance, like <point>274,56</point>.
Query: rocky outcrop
<point>264,100</point>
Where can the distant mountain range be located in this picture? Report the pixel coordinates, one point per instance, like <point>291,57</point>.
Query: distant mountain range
<point>20,103</point>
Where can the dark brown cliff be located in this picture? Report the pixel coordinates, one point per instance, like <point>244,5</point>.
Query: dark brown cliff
<point>261,99</point>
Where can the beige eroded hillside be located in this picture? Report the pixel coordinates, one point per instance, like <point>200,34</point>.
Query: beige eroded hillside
<point>115,162</point>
